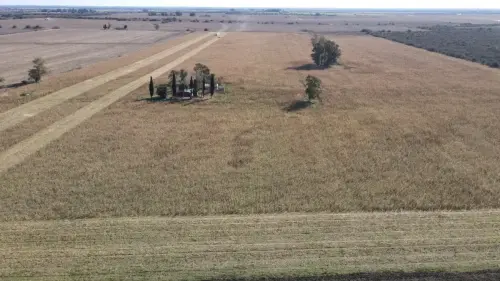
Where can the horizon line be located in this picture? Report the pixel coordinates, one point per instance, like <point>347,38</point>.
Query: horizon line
<point>250,7</point>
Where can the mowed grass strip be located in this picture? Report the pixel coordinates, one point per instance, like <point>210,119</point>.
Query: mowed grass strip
<point>29,126</point>
<point>16,115</point>
<point>266,245</point>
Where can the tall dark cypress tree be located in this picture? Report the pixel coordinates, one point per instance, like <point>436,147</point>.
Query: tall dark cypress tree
<point>174,85</point>
<point>195,88</point>
<point>212,84</point>
<point>203,86</point>
<point>191,83</point>
<point>151,87</point>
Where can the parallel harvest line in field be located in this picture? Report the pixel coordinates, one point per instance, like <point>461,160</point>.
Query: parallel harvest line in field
<point>20,151</point>
<point>106,252</point>
<point>17,115</point>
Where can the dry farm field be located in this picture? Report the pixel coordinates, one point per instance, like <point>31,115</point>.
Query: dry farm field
<point>10,98</point>
<point>68,49</point>
<point>201,248</point>
<point>61,23</point>
<point>399,128</point>
<point>343,22</point>
<point>379,176</point>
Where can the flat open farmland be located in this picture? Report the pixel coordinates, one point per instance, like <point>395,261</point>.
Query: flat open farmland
<point>13,97</point>
<point>290,245</point>
<point>87,172</point>
<point>399,128</point>
<point>62,23</point>
<point>68,49</point>
<point>338,22</point>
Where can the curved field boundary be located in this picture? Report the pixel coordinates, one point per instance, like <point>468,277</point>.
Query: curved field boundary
<point>255,245</point>
<point>17,153</point>
<point>17,115</point>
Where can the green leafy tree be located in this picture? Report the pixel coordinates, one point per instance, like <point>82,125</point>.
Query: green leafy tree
<point>38,71</point>
<point>151,87</point>
<point>173,82</point>
<point>191,83</point>
<point>195,88</point>
<point>161,90</point>
<point>212,84</point>
<point>313,88</point>
<point>201,70</point>
<point>172,76</point>
<point>203,88</point>
<point>202,74</point>
<point>182,79</point>
<point>173,79</point>
<point>325,52</point>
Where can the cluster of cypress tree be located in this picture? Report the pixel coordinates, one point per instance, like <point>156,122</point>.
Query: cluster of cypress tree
<point>193,85</point>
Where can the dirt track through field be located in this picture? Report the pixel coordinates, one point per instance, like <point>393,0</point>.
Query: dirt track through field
<point>17,115</point>
<point>20,151</point>
<point>155,248</point>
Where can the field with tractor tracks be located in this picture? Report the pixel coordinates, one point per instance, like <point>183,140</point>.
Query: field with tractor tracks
<point>394,170</point>
<point>68,49</point>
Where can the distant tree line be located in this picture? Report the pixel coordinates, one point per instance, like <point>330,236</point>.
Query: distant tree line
<point>59,13</point>
<point>72,11</point>
<point>272,10</point>
<point>165,14</point>
<point>470,42</point>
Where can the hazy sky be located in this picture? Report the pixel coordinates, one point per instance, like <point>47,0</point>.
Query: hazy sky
<point>485,4</point>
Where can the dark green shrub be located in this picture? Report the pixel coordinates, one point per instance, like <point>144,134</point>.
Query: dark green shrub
<point>161,90</point>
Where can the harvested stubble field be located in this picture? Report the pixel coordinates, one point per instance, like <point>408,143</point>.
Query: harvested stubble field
<point>17,126</point>
<point>340,22</point>
<point>68,49</point>
<point>193,248</point>
<point>399,128</point>
<point>10,98</point>
<point>80,24</point>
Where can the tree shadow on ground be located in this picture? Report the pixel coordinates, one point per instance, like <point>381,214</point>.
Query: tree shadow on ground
<point>307,66</point>
<point>194,101</point>
<point>485,275</point>
<point>312,66</point>
<point>297,105</point>
<point>16,85</point>
<point>184,101</point>
<point>153,99</point>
